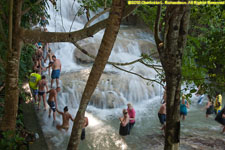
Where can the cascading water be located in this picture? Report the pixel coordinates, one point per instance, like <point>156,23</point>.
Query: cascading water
<point>115,89</point>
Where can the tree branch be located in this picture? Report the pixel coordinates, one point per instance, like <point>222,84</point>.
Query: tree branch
<point>32,36</point>
<point>29,8</point>
<point>95,17</point>
<point>157,20</point>
<point>108,62</point>
<point>152,80</point>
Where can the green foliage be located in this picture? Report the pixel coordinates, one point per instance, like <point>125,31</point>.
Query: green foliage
<point>34,15</point>
<point>92,5</point>
<point>147,13</point>
<point>26,61</point>
<point>203,59</point>
<point>10,141</point>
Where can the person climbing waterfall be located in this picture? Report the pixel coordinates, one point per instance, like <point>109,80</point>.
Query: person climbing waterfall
<point>183,107</point>
<point>66,117</point>
<point>41,91</point>
<point>33,83</point>
<point>218,103</point>
<point>56,69</point>
<point>43,22</point>
<point>124,124</point>
<point>49,57</point>
<point>209,107</point>
<point>84,126</point>
<point>45,46</point>
<point>52,101</point>
<point>131,113</point>
<point>162,115</point>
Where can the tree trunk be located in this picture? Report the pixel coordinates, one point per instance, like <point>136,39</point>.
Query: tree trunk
<point>175,35</point>
<point>105,49</point>
<point>12,69</point>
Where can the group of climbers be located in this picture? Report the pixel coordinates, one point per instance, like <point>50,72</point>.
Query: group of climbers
<point>39,84</point>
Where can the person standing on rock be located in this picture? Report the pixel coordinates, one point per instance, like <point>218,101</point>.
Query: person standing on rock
<point>131,113</point>
<point>56,69</point>
<point>52,101</point>
<point>66,117</point>
<point>41,91</point>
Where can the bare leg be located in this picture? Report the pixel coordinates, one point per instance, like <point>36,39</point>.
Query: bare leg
<point>57,82</point>
<point>39,101</point>
<point>35,98</point>
<point>44,101</point>
<point>52,82</point>
<point>49,114</point>
<point>207,115</point>
<point>54,115</point>
<point>223,129</point>
<point>183,117</point>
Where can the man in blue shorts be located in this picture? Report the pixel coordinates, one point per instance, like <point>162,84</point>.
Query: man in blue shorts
<point>56,69</point>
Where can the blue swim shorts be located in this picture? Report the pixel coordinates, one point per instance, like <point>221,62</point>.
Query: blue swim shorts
<point>162,118</point>
<point>52,105</point>
<point>55,74</point>
<point>34,91</point>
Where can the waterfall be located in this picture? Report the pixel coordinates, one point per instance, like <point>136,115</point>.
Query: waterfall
<point>115,89</point>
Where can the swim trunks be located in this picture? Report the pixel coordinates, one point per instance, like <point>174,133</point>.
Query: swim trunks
<point>34,91</point>
<point>82,134</point>
<point>162,118</point>
<point>210,110</point>
<point>41,93</point>
<point>55,74</point>
<point>52,105</point>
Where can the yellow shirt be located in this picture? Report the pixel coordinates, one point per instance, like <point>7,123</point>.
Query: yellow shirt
<point>34,79</point>
<point>218,99</point>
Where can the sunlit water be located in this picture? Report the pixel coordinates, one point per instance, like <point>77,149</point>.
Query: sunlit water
<point>103,130</point>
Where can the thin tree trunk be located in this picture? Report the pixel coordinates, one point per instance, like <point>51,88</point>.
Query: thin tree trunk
<point>12,69</point>
<point>105,49</point>
<point>170,51</point>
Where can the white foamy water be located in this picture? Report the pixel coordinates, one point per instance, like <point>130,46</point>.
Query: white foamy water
<point>115,89</point>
